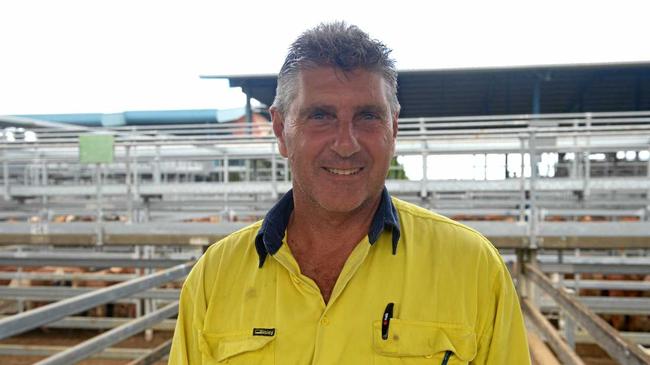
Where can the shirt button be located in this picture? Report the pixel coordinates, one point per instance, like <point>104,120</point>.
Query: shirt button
<point>325,321</point>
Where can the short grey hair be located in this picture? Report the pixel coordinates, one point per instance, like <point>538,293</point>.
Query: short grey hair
<point>339,45</point>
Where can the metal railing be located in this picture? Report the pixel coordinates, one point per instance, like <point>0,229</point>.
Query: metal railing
<point>607,337</point>
<point>34,318</point>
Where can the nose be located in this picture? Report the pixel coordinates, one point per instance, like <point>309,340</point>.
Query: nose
<point>345,142</point>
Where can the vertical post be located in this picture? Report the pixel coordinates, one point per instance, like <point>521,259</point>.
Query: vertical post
<point>522,180</point>
<point>5,175</point>
<point>569,322</point>
<point>136,175</point>
<point>20,303</point>
<point>44,172</point>
<point>274,177</point>
<point>423,187</point>
<point>156,166</point>
<point>537,95</point>
<point>226,168</point>
<point>148,304</point>
<point>127,176</point>
<point>587,162</point>
<point>525,286</point>
<point>40,175</point>
<point>249,113</point>
<point>26,180</point>
<point>100,213</point>
<point>286,171</point>
<point>226,180</point>
<point>647,193</point>
<point>532,152</point>
<point>485,168</point>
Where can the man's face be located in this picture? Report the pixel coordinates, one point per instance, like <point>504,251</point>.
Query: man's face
<point>339,136</point>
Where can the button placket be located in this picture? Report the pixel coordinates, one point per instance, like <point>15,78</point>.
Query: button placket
<point>324,321</point>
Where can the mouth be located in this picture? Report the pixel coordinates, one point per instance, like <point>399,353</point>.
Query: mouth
<point>343,172</point>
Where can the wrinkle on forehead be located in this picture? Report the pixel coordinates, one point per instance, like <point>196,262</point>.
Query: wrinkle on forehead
<point>333,78</point>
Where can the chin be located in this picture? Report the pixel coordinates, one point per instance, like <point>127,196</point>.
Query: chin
<point>339,207</point>
<point>341,202</point>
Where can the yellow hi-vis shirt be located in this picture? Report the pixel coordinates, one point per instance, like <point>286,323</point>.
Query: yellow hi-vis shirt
<point>453,299</point>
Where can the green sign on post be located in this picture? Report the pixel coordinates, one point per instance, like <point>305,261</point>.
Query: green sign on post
<point>96,148</point>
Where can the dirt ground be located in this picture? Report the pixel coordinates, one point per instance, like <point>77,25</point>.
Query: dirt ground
<point>594,355</point>
<point>69,337</point>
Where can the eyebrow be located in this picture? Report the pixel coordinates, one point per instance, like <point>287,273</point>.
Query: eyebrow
<point>329,109</point>
<point>372,108</point>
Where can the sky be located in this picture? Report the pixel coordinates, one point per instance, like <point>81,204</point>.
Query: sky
<point>99,56</point>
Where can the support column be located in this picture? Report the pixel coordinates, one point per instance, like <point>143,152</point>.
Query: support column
<point>156,166</point>
<point>532,219</point>
<point>100,212</point>
<point>586,187</point>
<point>5,176</point>
<point>274,172</point>
<point>537,96</point>
<point>129,183</point>
<point>249,111</point>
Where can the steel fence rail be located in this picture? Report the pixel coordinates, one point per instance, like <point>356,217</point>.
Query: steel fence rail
<point>88,262</point>
<point>101,323</point>
<point>563,351</point>
<point>14,350</point>
<point>606,336</point>
<point>34,318</point>
<point>154,355</point>
<point>61,292</point>
<point>106,339</point>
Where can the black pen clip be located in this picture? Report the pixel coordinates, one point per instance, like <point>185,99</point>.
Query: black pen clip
<point>385,320</point>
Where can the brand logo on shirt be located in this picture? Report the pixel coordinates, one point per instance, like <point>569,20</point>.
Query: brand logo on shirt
<point>264,332</point>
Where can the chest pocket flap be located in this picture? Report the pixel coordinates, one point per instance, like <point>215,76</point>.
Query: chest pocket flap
<point>220,347</point>
<point>417,338</point>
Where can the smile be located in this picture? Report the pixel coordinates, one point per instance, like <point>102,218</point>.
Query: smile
<point>343,171</point>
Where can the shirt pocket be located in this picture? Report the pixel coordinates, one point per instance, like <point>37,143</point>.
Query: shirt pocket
<point>419,342</point>
<point>236,348</point>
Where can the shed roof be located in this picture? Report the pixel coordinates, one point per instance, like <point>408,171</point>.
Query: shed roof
<point>502,90</point>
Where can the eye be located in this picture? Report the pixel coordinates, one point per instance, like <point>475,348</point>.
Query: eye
<point>369,116</point>
<point>317,116</point>
<point>320,116</point>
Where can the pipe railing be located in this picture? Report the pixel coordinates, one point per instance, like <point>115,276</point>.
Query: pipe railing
<point>605,335</point>
<point>35,318</point>
<point>98,343</point>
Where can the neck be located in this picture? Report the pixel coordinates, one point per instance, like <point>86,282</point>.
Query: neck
<point>323,231</point>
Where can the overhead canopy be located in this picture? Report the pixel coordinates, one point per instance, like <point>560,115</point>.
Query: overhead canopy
<point>507,90</point>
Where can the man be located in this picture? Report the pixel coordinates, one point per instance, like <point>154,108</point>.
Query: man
<point>339,272</point>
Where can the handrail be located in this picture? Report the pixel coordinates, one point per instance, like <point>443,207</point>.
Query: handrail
<point>606,336</point>
<point>96,344</point>
<point>34,318</point>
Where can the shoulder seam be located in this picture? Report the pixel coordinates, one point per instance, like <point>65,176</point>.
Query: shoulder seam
<point>438,218</point>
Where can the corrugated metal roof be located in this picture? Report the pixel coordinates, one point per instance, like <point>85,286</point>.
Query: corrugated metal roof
<point>503,90</point>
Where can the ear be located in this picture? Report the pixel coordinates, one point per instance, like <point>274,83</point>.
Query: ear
<point>277,119</point>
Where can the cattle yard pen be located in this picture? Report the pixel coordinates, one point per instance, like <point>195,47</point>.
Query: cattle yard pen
<point>118,237</point>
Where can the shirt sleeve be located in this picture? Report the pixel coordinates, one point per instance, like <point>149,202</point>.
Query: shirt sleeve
<point>191,312</point>
<point>504,340</point>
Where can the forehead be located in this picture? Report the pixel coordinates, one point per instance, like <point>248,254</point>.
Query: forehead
<point>338,88</point>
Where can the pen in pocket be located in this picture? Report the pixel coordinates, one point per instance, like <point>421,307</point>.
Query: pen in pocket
<point>446,358</point>
<point>385,320</point>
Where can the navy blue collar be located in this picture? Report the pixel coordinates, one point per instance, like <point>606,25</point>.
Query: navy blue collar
<point>269,237</point>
